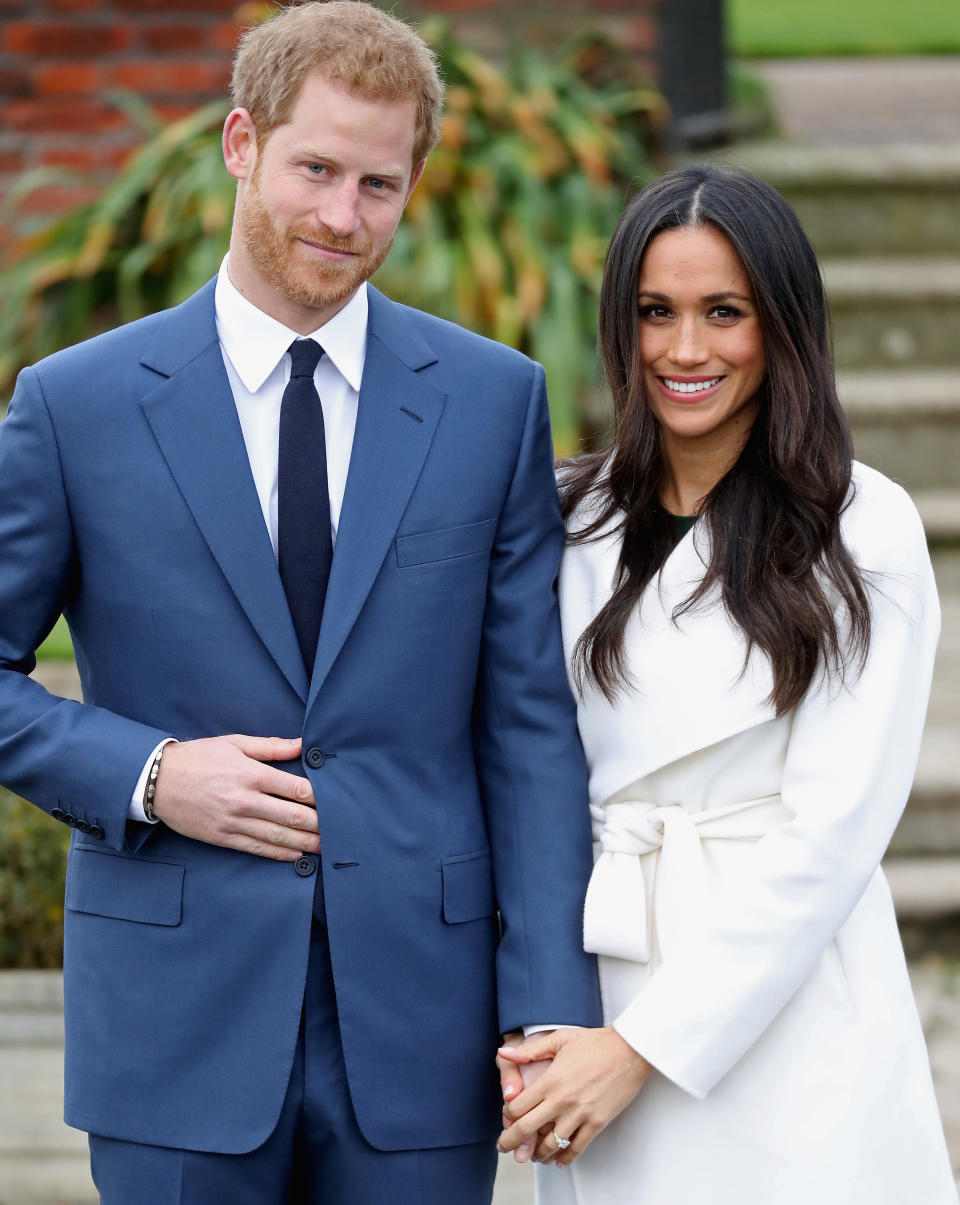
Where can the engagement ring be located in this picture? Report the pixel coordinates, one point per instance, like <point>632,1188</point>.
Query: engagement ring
<point>562,1143</point>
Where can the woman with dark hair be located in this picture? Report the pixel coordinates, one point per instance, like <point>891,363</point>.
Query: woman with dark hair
<point>751,619</point>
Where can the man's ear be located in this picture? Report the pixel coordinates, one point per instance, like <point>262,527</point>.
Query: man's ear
<point>239,144</point>
<point>417,173</point>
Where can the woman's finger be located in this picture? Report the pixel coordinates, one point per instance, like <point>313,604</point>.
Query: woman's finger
<point>537,1048</point>
<point>549,1149</point>
<point>526,1128</point>
<point>511,1076</point>
<point>581,1140</point>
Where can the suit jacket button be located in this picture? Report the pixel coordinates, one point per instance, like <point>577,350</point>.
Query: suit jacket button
<point>96,831</point>
<point>316,758</point>
<point>59,814</point>
<point>70,819</point>
<point>305,866</point>
<point>81,826</point>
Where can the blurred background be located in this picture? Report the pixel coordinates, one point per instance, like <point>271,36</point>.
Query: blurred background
<point>114,202</point>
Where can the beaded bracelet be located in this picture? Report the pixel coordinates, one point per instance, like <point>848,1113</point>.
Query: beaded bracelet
<point>152,787</point>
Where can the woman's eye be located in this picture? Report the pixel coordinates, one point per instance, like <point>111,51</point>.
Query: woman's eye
<point>725,311</point>
<point>654,311</point>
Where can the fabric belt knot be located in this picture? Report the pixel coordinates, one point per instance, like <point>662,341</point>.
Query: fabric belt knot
<point>615,919</point>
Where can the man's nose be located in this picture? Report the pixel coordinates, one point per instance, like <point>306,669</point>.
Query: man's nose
<point>340,210</point>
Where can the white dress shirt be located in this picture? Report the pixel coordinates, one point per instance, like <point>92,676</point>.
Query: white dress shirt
<point>254,348</point>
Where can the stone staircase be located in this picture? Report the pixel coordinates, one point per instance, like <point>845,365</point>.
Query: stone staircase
<point>885,221</point>
<point>42,1162</point>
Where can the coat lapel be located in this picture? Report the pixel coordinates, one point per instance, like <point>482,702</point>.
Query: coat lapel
<point>194,420</point>
<point>397,417</point>
<point>678,671</point>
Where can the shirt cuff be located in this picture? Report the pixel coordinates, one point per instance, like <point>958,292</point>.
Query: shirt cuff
<point>135,810</point>
<point>530,1030</point>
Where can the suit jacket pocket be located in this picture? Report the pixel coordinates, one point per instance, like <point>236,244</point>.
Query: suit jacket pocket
<point>136,889</point>
<point>446,544</point>
<point>467,887</point>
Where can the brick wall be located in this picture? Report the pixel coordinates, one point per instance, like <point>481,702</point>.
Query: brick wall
<point>60,58</point>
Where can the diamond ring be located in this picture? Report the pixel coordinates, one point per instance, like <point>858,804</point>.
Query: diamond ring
<point>562,1143</point>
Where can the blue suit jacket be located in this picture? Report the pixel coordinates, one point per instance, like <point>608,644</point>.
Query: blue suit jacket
<point>453,786</point>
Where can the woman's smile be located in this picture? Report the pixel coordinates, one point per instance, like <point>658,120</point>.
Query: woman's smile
<point>690,389</point>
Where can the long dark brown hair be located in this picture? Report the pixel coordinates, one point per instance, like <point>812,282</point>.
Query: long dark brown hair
<point>776,553</point>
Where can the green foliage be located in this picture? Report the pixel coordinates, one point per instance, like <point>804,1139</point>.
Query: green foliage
<point>751,104</point>
<point>33,857</point>
<point>506,232</point>
<point>797,28</point>
<point>58,646</point>
<point>153,236</point>
<point>508,229</point>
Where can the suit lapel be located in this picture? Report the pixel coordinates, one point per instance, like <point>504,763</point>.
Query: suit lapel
<point>397,416</point>
<point>194,420</point>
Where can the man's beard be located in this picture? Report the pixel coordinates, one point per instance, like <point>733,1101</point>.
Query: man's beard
<point>313,284</point>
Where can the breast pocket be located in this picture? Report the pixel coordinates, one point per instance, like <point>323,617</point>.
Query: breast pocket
<point>133,889</point>
<point>450,543</point>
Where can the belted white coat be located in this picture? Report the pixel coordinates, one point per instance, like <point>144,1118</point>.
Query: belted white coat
<point>747,940</point>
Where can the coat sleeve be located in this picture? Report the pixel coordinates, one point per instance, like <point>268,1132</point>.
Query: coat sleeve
<point>849,766</point>
<point>529,758</point>
<point>62,755</point>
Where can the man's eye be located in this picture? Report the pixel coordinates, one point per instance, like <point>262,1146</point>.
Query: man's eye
<point>316,169</point>
<point>377,184</point>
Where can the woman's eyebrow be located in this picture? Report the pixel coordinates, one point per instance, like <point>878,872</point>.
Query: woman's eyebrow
<point>724,296</point>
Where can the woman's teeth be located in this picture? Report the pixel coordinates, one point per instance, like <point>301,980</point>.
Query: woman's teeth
<point>691,386</point>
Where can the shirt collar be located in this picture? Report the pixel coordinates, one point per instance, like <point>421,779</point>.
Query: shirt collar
<point>255,343</point>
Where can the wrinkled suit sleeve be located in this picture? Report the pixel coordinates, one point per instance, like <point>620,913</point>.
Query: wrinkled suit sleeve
<point>56,752</point>
<point>529,758</point>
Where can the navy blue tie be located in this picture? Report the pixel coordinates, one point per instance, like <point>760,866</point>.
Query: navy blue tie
<point>304,539</point>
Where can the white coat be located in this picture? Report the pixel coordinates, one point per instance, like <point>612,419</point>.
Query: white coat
<point>747,941</point>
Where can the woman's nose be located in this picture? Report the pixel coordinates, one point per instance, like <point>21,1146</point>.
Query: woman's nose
<point>688,346</point>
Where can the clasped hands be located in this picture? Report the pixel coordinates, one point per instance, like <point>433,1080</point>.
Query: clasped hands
<point>570,1083</point>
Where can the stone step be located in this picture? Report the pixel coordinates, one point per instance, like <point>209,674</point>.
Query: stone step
<point>940,510</point>
<point>898,199</point>
<point>931,822</point>
<point>64,1180</point>
<point>895,312</point>
<point>906,422</point>
<point>41,1159</point>
<point>926,895</point>
<point>924,889</point>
